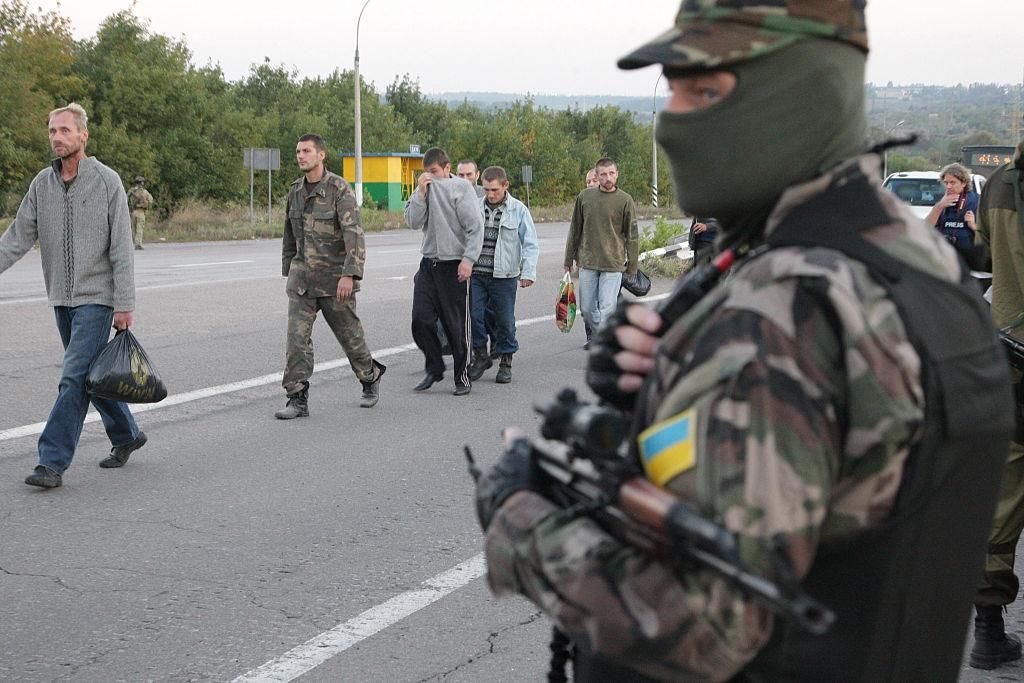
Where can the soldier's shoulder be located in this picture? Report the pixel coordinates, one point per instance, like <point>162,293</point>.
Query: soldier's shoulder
<point>336,181</point>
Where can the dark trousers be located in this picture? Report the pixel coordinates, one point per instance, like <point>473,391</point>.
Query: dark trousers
<point>494,313</point>
<point>438,294</point>
<point>84,331</point>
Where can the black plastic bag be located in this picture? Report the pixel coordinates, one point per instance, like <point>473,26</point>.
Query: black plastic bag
<point>122,371</point>
<point>638,285</point>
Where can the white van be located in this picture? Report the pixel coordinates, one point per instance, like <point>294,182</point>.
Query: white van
<point>922,189</point>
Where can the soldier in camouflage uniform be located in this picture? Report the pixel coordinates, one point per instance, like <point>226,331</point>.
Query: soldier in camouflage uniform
<point>139,201</point>
<point>322,256</point>
<point>791,398</point>
<point>1001,229</point>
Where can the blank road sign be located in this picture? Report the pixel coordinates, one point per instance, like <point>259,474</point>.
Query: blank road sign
<point>261,159</point>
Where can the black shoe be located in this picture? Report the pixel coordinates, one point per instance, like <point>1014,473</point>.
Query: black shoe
<point>119,454</point>
<point>504,375</point>
<point>992,644</point>
<point>586,345</point>
<point>44,477</point>
<point>138,247</point>
<point>481,363</point>
<point>371,390</point>
<point>428,381</point>
<point>461,389</point>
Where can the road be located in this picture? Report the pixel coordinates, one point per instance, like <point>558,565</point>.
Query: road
<point>340,547</point>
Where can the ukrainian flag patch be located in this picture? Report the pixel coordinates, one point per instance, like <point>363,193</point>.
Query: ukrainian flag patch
<point>669,447</point>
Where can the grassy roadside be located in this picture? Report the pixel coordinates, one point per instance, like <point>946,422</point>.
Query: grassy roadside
<point>202,221</point>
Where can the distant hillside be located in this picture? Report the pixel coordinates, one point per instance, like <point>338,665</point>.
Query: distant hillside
<point>497,100</point>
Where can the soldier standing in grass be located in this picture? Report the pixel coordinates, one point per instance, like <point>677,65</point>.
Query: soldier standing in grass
<point>139,201</point>
<point>322,257</point>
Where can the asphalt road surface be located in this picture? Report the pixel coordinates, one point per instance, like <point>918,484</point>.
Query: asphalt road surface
<point>339,547</point>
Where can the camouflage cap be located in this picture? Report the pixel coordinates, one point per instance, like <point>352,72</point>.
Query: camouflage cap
<point>713,33</point>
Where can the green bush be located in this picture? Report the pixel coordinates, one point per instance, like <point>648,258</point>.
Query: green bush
<point>659,235</point>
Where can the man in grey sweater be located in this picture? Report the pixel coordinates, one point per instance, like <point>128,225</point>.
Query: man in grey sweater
<point>78,211</point>
<point>446,209</point>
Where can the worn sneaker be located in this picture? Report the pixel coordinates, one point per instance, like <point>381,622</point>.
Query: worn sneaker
<point>504,375</point>
<point>481,363</point>
<point>44,477</point>
<point>461,389</point>
<point>119,454</point>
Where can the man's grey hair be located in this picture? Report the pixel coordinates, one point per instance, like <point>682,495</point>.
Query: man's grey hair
<point>76,110</point>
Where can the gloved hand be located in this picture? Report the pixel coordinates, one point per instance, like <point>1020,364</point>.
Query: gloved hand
<point>514,471</point>
<point>622,354</point>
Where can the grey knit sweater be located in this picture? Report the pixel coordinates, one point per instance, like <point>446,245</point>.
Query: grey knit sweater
<point>452,225</point>
<point>84,233</point>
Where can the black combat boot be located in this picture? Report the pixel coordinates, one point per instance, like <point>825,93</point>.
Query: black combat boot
<point>481,362</point>
<point>297,406</point>
<point>371,390</point>
<point>504,369</point>
<point>992,644</point>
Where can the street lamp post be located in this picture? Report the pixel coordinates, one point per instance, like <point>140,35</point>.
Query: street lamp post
<point>654,145</point>
<point>885,154</point>
<point>359,118</point>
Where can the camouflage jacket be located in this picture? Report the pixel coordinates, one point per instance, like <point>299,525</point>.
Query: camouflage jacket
<point>802,397</point>
<point>139,198</point>
<point>323,240</point>
<point>1001,229</point>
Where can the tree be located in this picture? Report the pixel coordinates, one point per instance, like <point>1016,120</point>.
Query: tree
<point>36,56</point>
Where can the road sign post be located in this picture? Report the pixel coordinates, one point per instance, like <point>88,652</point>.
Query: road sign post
<point>527,179</point>
<point>261,159</point>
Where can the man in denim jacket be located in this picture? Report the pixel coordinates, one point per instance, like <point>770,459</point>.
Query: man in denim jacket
<point>508,257</point>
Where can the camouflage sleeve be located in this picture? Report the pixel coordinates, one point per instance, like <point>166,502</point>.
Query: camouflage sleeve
<point>288,247</point>
<point>352,232</point>
<point>767,397</point>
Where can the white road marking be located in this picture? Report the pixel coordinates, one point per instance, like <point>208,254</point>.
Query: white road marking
<point>319,649</point>
<point>400,277</point>
<point>210,263</point>
<point>189,396</point>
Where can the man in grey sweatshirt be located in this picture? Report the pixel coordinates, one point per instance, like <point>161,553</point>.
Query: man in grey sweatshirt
<point>446,209</point>
<point>78,211</point>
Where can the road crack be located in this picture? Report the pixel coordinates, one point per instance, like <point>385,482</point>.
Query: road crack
<point>492,641</point>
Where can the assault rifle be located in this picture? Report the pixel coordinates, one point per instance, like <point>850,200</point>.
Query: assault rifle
<point>582,452</point>
<point>1014,349</point>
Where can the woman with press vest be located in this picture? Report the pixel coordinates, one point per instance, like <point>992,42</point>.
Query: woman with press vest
<point>954,214</point>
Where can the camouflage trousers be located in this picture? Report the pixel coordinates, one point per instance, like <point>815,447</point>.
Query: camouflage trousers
<point>138,226</point>
<point>1000,584</point>
<point>341,317</point>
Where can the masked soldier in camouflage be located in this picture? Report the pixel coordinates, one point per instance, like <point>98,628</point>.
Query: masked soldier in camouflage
<point>139,201</point>
<point>322,257</point>
<point>798,404</point>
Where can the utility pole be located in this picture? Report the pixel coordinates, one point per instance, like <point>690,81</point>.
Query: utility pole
<point>654,145</point>
<point>359,118</point>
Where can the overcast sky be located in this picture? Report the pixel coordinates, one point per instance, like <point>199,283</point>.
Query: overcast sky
<point>540,46</point>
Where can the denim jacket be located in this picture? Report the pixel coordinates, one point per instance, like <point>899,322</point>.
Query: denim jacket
<point>517,248</point>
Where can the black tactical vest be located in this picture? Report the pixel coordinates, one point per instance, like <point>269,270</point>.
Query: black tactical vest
<point>902,591</point>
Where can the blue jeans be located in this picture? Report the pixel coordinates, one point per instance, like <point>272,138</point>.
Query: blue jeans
<point>84,331</point>
<point>494,312</point>
<point>599,292</point>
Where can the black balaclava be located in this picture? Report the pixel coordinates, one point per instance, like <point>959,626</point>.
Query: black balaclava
<point>794,114</point>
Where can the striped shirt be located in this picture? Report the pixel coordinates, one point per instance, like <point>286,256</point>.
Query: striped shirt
<point>492,224</point>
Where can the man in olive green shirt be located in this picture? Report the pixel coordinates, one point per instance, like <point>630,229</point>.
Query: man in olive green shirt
<point>602,242</point>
